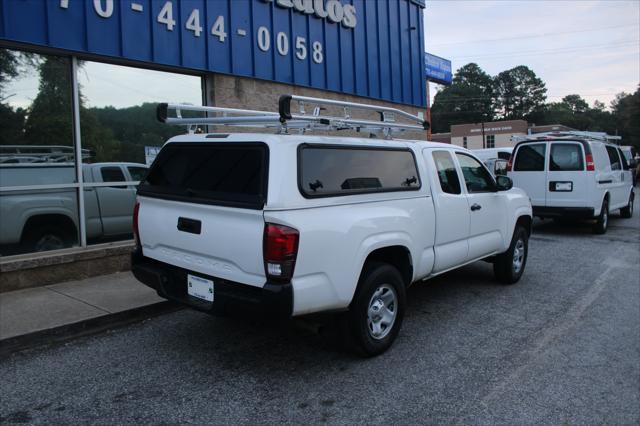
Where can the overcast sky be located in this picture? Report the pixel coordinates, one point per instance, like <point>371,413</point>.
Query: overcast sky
<point>587,47</point>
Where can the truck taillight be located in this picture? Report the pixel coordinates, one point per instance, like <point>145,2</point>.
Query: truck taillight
<point>136,233</point>
<point>280,249</point>
<point>510,163</point>
<point>590,166</point>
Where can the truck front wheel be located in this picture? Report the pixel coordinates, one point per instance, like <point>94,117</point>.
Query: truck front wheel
<point>509,266</point>
<point>377,310</point>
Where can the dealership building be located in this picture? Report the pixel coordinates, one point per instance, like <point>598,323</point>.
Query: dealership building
<point>495,134</point>
<point>80,79</point>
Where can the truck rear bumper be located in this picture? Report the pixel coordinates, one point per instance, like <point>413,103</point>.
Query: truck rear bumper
<point>272,300</point>
<point>573,212</point>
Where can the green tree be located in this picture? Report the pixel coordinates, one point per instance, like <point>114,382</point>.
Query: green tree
<point>519,92</point>
<point>469,99</point>
<point>626,109</point>
<point>50,121</point>
<point>576,104</point>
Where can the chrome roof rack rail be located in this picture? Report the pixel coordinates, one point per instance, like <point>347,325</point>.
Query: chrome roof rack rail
<point>302,121</point>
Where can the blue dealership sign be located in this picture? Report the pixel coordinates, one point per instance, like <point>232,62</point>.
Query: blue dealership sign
<point>437,69</point>
<point>362,47</point>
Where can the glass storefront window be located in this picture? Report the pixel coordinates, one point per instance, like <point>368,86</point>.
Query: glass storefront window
<point>118,123</point>
<point>119,134</point>
<point>36,150</point>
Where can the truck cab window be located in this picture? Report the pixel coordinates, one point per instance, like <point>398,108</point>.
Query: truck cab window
<point>137,173</point>
<point>447,173</point>
<point>476,176</point>
<point>112,174</point>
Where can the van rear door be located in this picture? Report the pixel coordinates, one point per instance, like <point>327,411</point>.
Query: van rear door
<point>529,171</point>
<point>201,208</point>
<point>567,180</point>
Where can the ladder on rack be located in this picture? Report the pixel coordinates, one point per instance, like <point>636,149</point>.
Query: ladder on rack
<point>596,136</point>
<point>301,121</point>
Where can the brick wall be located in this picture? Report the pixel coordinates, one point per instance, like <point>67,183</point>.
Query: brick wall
<point>239,92</point>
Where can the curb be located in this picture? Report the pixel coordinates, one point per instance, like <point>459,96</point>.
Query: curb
<point>63,333</point>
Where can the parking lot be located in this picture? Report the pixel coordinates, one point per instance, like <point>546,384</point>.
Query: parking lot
<point>562,345</point>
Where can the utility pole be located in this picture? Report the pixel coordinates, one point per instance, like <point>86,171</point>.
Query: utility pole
<point>483,144</point>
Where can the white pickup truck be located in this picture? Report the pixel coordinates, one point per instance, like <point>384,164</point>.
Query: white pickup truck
<point>39,220</point>
<point>288,225</point>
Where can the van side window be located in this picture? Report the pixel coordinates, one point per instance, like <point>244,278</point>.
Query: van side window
<point>447,173</point>
<point>613,158</point>
<point>625,160</point>
<point>530,158</point>
<point>476,176</point>
<point>566,157</point>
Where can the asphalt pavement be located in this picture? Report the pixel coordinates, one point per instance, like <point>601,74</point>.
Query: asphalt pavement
<point>561,346</point>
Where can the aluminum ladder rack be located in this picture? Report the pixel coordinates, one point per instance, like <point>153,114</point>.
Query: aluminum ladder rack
<point>572,134</point>
<point>284,120</point>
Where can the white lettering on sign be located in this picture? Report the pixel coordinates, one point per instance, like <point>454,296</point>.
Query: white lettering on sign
<point>491,129</point>
<point>106,11</point>
<point>334,10</point>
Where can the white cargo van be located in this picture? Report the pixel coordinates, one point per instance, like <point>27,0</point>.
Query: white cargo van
<point>573,174</point>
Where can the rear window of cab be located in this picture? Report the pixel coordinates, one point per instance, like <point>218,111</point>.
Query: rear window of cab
<point>330,171</point>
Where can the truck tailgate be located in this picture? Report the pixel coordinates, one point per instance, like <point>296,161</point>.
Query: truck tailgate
<point>228,243</point>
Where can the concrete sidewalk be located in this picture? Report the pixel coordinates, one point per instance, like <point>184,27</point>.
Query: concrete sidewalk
<point>39,315</point>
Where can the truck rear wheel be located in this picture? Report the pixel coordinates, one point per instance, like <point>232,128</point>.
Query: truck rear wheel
<point>600,227</point>
<point>44,238</point>
<point>377,310</point>
<point>509,266</point>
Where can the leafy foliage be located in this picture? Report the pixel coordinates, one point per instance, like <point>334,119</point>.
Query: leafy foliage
<point>468,100</point>
<point>518,93</point>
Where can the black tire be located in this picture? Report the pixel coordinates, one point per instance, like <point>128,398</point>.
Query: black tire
<point>505,268</point>
<point>46,237</point>
<point>359,326</point>
<point>627,212</point>
<point>600,227</point>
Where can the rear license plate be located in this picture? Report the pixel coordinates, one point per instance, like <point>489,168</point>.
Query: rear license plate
<point>200,288</point>
<point>564,186</point>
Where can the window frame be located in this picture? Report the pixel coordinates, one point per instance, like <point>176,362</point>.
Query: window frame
<point>259,205</point>
<point>493,186</point>
<point>453,159</point>
<point>493,141</point>
<point>306,195</point>
<point>615,150</point>
<point>516,153</point>
<point>580,149</point>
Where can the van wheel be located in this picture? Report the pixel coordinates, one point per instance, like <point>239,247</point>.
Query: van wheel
<point>602,222</point>
<point>509,266</point>
<point>45,238</point>
<point>377,310</point>
<point>627,212</point>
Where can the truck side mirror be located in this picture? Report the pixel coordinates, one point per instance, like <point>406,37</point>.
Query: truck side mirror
<point>503,183</point>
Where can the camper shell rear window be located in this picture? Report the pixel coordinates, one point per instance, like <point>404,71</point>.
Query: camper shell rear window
<point>228,174</point>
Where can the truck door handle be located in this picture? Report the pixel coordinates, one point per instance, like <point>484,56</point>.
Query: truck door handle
<point>475,207</point>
